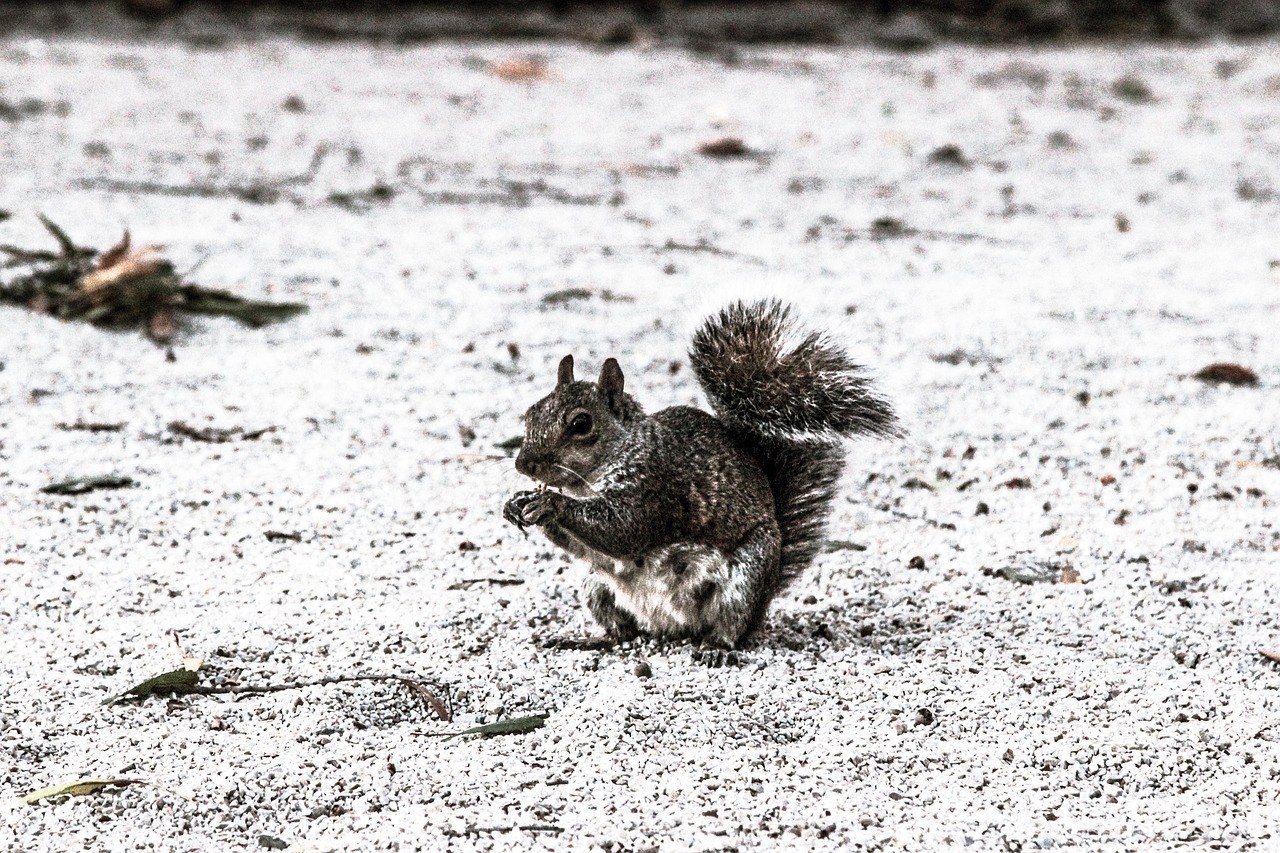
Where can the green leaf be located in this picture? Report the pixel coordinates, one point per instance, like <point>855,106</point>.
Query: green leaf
<point>514,726</point>
<point>178,681</point>
<point>78,788</point>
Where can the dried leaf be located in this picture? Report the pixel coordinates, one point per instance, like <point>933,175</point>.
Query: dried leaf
<point>83,485</point>
<point>111,256</point>
<point>833,545</point>
<point>90,426</point>
<point>1030,573</point>
<point>78,788</point>
<point>516,725</point>
<point>432,700</point>
<point>178,681</point>
<point>1070,575</point>
<point>129,266</point>
<point>521,70</point>
<point>724,147</point>
<point>188,661</point>
<point>1226,372</point>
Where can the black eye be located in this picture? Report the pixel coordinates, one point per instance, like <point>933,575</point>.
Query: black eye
<point>580,425</point>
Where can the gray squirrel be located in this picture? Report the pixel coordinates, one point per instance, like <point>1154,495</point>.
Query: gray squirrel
<point>692,523</point>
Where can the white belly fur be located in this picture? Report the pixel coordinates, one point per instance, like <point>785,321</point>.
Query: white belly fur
<point>660,599</point>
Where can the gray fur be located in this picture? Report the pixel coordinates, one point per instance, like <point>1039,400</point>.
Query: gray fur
<point>690,523</point>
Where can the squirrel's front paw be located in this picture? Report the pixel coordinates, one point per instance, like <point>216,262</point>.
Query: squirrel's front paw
<point>526,508</point>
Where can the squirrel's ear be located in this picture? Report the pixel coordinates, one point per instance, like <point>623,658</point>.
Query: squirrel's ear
<point>610,383</point>
<point>565,373</point>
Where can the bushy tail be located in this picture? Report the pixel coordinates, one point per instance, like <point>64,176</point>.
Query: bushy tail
<point>791,396</point>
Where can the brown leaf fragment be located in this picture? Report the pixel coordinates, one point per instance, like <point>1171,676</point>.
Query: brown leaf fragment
<point>89,426</point>
<point>724,147</point>
<point>1108,479</point>
<point>430,699</point>
<point>84,485</point>
<point>112,256</point>
<point>1070,575</point>
<point>190,662</point>
<point>470,582</point>
<point>126,266</point>
<point>527,70</point>
<point>1018,483</point>
<point>1270,654</point>
<point>213,435</point>
<point>1226,372</point>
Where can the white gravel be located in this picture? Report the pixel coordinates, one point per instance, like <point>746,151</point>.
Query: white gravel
<point>885,706</point>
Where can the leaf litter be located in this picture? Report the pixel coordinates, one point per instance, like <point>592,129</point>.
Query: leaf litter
<point>121,288</point>
<point>90,786</point>
<point>513,726</point>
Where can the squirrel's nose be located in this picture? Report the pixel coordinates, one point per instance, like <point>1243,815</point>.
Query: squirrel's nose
<point>526,466</point>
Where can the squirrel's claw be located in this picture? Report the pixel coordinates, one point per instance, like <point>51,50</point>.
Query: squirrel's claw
<point>526,508</point>
<point>513,510</point>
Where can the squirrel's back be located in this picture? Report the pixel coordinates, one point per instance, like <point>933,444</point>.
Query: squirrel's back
<point>791,395</point>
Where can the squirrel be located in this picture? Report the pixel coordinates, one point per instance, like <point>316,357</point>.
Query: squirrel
<point>691,522</point>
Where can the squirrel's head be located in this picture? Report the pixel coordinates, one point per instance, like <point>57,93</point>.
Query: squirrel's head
<point>571,433</point>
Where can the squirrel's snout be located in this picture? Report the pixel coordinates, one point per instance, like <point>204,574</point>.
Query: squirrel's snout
<point>527,466</point>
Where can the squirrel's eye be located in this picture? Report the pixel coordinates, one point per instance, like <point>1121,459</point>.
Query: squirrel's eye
<point>580,425</point>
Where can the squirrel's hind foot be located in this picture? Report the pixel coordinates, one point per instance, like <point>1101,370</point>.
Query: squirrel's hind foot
<point>716,658</point>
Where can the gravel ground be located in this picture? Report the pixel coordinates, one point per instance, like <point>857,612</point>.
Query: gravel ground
<point>1034,298</point>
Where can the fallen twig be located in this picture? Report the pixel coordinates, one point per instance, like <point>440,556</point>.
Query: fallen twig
<point>266,191</point>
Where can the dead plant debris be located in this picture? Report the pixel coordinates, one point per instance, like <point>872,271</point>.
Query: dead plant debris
<point>90,426</point>
<point>1030,573</point>
<point>78,788</point>
<point>84,485</point>
<point>1132,89</point>
<point>725,147</point>
<point>120,288</point>
<point>950,155</point>
<point>1228,373</point>
<point>470,582</point>
<point>513,726</point>
<point>529,70</point>
<point>431,700</point>
<point>570,295</point>
<point>212,435</point>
